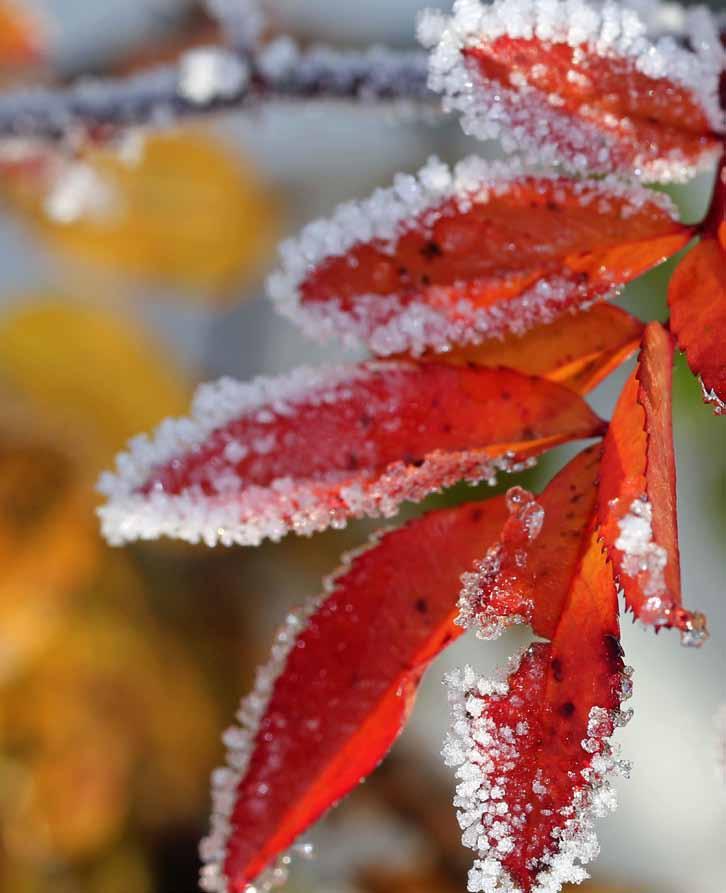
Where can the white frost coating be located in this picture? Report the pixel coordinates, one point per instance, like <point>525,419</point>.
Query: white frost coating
<point>487,580</point>
<point>524,119</point>
<point>210,73</point>
<point>388,324</point>
<point>239,741</point>
<point>475,745</point>
<point>247,514</point>
<point>645,560</point>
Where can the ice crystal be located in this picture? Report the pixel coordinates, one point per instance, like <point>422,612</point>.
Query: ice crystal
<point>210,73</point>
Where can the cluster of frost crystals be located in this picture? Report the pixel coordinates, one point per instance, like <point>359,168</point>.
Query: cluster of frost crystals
<point>645,559</point>
<point>486,587</point>
<point>239,741</point>
<point>210,73</point>
<point>78,192</point>
<point>710,396</point>
<point>391,325</point>
<point>524,120</point>
<point>482,752</point>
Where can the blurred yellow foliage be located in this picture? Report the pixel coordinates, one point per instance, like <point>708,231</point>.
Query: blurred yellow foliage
<point>179,208</point>
<point>97,376</point>
<point>108,726</point>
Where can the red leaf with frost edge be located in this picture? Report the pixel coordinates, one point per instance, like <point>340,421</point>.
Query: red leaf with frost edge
<point>339,686</point>
<point>637,493</point>
<point>443,259</point>
<point>578,350</point>
<point>697,299</point>
<point>581,85</point>
<point>307,451</point>
<point>527,574</point>
<point>531,750</point>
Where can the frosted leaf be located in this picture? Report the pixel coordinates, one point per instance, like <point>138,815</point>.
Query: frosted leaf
<point>490,600</point>
<point>527,112</point>
<point>507,786</point>
<point>309,450</point>
<point>345,277</point>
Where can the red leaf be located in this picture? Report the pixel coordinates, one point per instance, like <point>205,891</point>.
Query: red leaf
<point>637,493</point>
<point>582,85</point>
<point>697,299</point>
<point>578,350</point>
<point>531,750</point>
<point>339,687</point>
<point>527,574</point>
<point>440,259</point>
<point>309,450</point>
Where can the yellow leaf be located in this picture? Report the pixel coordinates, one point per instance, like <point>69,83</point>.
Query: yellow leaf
<point>187,212</point>
<point>98,377</point>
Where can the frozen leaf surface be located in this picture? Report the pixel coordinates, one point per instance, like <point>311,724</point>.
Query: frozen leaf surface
<point>531,749</point>
<point>455,258</point>
<point>309,450</point>
<point>338,688</point>
<point>637,493</point>
<point>581,84</point>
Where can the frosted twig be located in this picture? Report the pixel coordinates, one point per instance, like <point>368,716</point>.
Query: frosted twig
<point>211,78</point>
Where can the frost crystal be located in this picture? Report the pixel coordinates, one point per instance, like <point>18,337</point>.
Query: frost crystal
<point>526,119</point>
<point>210,73</point>
<point>493,820</point>
<point>488,598</point>
<point>78,193</point>
<point>392,323</point>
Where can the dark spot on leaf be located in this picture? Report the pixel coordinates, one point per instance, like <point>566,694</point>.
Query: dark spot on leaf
<point>557,669</point>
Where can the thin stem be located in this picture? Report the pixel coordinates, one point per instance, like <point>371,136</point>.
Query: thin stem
<point>229,79</point>
<point>714,223</point>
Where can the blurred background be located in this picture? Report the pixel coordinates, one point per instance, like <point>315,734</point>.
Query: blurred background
<point>127,276</point>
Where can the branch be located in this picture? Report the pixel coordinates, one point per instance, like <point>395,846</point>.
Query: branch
<point>211,78</point>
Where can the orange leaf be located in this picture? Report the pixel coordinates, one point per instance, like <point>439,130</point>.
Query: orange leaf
<point>311,449</point>
<point>580,84</point>
<point>697,299</point>
<point>637,493</point>
<point>578,350</point>
<point>339,687</point>
<point>21,35</point>
<point>440,259</point>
